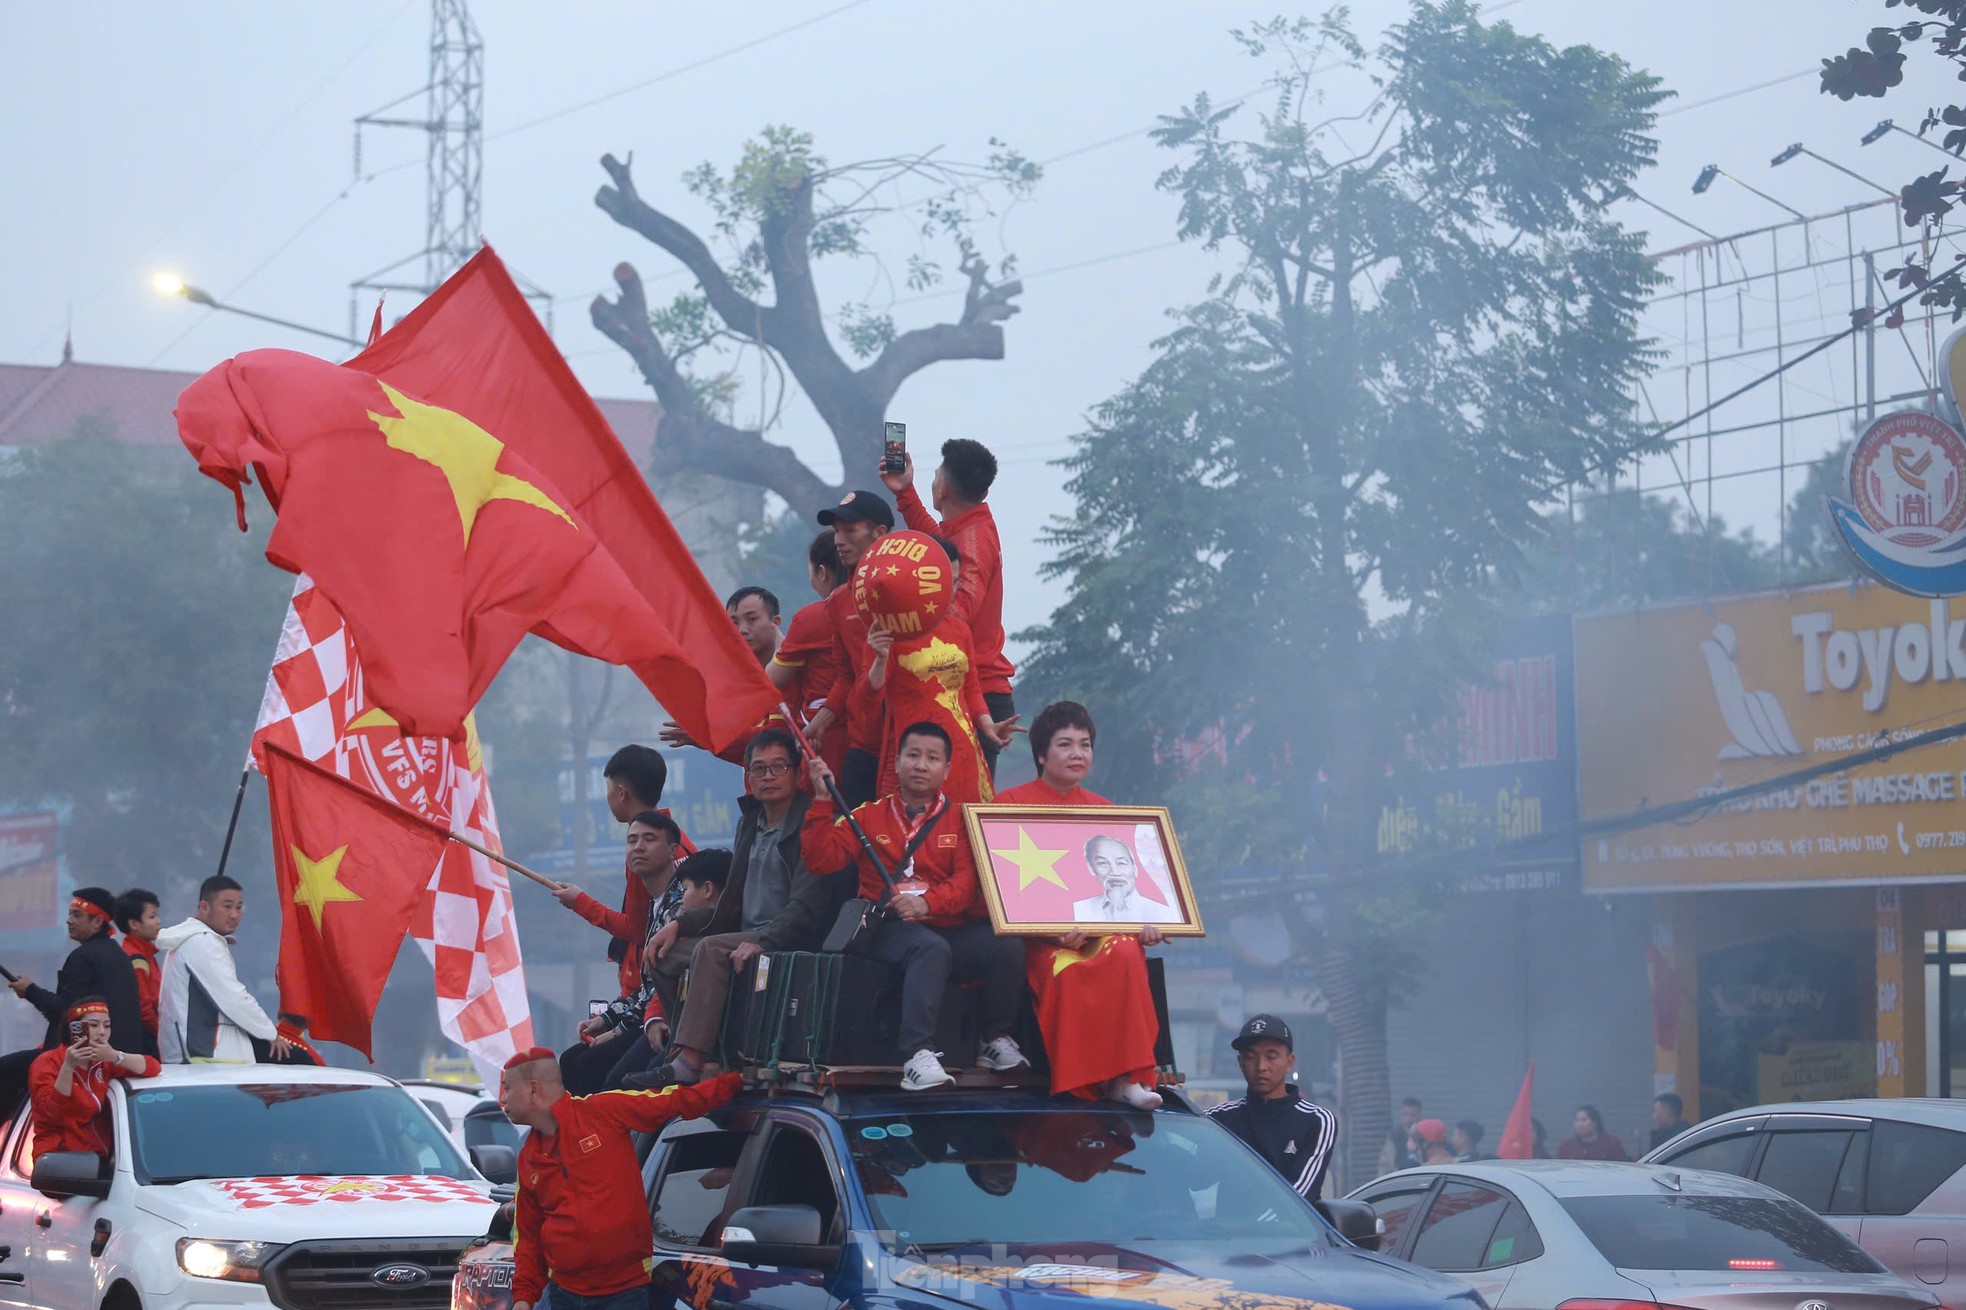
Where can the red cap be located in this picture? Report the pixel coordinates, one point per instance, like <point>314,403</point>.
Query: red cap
<point>530,1054</point>
<point>1430,1130</point>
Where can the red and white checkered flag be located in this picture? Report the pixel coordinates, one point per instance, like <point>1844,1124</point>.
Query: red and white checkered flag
<point>315,706</point>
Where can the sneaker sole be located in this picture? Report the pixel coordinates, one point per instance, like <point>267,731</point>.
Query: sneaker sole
<point>908,1085</point>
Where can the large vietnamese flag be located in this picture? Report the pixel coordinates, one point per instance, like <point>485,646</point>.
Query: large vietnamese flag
<point>450,490</point>
<point>350,869</point>
<point>476,346</point>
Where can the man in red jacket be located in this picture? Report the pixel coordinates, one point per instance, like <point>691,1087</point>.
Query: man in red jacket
<point>935,927</point>
<point>582,1218</point>
<point>959,489</point>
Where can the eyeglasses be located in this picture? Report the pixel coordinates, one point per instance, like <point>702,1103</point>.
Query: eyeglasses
<point>769,770</point>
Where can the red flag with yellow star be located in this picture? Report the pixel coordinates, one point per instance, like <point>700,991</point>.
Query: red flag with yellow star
<point>451,489</point>
<point>351,869</point>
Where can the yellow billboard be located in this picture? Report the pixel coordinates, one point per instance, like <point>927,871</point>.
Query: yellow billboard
<point>1690,700</point>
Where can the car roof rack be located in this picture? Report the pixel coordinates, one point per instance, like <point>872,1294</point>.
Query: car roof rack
<point>822,1078</point>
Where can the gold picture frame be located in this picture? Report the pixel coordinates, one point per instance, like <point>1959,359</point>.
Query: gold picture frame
<point>1042,875</point>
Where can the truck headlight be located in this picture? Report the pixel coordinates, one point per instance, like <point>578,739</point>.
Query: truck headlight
<point>239,1262</point>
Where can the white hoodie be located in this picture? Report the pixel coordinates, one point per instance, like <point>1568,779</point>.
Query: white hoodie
<point>203,1012</point>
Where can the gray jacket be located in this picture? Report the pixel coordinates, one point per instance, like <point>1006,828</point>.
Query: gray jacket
<point>809,910</point>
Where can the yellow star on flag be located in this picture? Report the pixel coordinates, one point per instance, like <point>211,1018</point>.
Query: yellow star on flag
<point>1033,863</point>
<point>463,452</point>
<point>318,884</point>
<point>349,1185</point>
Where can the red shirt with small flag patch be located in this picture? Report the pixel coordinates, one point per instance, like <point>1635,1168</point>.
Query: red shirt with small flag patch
<point>942,862</point>
<point>583,1218</point>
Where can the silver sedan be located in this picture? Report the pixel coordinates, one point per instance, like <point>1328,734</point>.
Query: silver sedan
<point>1584,1235</point>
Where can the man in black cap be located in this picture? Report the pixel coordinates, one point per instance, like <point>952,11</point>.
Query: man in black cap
<point>1293,1134</point>
<point>858,521</point>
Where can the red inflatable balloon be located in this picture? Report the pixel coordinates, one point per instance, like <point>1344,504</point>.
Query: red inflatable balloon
<point>904,584</point>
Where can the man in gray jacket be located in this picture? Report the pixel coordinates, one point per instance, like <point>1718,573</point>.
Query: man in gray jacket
<point>771,903</point>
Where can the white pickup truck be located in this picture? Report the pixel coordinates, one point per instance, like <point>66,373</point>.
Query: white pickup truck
<point>242,1185</point>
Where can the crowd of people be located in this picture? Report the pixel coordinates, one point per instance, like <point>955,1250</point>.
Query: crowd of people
<point>131,995</point>
<point>1416,1139</point>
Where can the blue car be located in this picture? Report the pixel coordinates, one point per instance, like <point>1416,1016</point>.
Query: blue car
<point>999,1198</point>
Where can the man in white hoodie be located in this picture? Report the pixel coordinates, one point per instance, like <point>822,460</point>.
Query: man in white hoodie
<point>203,1012</point>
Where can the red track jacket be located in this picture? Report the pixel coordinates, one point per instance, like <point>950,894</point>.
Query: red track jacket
<point>75,1122</point>
<point>583,1219</point>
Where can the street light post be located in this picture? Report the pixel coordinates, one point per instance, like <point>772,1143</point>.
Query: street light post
<point>1799,149</point>
<point>1712,171</point>
<point>172,285</point>
<point>1885,127</point>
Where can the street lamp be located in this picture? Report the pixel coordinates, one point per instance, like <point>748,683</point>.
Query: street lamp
<point>170,284</point>
<point>1799,149</point>
<point>1626,193</point>
<point>1712,171</point>
<point>1885,127</point>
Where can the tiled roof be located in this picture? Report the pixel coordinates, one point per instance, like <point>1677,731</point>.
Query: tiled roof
<point>44,404</point>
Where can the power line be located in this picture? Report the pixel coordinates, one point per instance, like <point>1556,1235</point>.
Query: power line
<point>1739,91</point>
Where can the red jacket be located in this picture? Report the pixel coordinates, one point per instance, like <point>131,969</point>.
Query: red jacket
<point>979,592</point>
<point>74,1122</point>
<point>583,1218</point>
<point>143,960</point>
<point>943,861</point>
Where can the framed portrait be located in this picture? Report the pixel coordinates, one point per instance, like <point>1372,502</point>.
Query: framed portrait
<point>1053,869</point>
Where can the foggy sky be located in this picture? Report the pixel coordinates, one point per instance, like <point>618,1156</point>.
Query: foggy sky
<point>202,137</point>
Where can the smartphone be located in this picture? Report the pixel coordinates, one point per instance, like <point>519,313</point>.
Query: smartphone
<point>76,1027</point>
<point>595,1009</point>
<point>894,458</point>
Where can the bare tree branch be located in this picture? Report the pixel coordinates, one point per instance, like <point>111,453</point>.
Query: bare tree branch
<point>624,205</point>
<point>976,335</point>
<point>687,436</point>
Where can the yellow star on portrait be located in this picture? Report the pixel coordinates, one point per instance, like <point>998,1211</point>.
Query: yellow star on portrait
<point>1034,864</point>
<point>318,884</point>
<point>463,452</point>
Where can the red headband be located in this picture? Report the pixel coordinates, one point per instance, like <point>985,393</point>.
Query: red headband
<point>85,1009</point>
<point>88,907</point>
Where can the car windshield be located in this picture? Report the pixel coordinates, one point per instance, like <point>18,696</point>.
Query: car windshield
<point>954,1179</point>
<point>262,1130</point>
<point>1735,1234</point>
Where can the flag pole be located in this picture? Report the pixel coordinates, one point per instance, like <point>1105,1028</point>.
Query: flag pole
<point>238,799</point>
<point>513,865</point>
<point>839,801</point>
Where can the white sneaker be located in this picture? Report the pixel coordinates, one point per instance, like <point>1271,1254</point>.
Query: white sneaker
<point>1001,1055</point>
<point>924,1071</point>
<point>1128,1092</point>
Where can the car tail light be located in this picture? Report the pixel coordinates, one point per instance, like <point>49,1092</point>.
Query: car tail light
<point>1755,1264</point>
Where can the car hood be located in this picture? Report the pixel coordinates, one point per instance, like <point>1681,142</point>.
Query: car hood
<point>1183,1275</point>
<point>300,1209</point>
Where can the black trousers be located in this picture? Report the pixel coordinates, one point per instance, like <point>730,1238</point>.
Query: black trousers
<point>932,958</point>
<point>860,774</point>
<point>1001,707</point>
<point>585,1066</point>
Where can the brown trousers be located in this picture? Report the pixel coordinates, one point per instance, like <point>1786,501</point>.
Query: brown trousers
<point>709,989</point>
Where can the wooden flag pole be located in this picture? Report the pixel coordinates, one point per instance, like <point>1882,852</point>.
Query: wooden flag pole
<point>513,865</point>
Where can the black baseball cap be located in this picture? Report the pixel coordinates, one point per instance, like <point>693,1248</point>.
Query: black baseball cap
<point>858,507</point>
<point>1264,1028</point>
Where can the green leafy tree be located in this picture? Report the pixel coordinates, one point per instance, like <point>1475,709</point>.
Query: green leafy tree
<point>1425,324</point>
<point>138,632</point>
<point>1630,549</point>
<point>1872,71</point>
<point>780,216</point>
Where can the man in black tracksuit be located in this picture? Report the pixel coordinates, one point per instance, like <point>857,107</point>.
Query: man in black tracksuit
<point>1293,1134</point>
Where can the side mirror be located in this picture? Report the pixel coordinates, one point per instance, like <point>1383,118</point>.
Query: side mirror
<point>783,1235</point>
<point>62,1174</point>
<point>500,1227</point>
<point>498,1163</point>
<point>1356,1221</point>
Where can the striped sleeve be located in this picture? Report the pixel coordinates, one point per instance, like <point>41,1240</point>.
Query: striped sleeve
<point>1310,1180</point>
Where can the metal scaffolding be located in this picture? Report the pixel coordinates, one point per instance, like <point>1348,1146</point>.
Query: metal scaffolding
<point>1736,307</point>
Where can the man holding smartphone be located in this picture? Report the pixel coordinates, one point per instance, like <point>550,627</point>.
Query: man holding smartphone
<point>959,490</point>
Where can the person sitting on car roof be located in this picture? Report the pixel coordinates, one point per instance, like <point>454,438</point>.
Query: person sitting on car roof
<point>1095,1005</point>
<point>936,928</point>
<point>69,1086</point>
